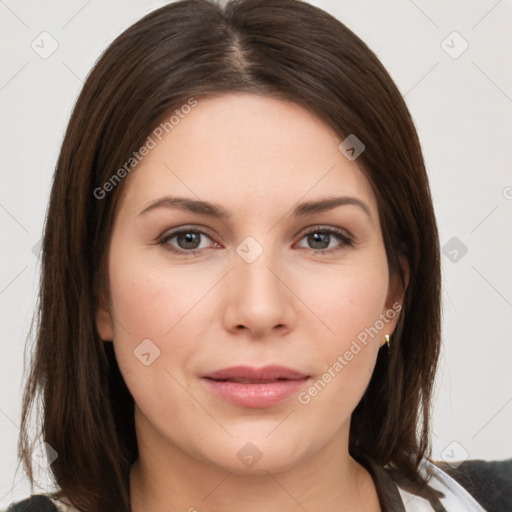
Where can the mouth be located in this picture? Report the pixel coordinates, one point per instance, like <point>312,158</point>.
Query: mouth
<point>250,374</point>
<point>247,386</point>
<point>250,381</point>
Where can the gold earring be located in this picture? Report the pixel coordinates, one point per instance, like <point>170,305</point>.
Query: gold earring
<point>386,337</point>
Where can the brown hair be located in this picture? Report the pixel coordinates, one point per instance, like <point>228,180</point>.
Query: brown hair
<point>285,49</point>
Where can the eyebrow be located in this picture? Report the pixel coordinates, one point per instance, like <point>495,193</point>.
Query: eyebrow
<point>215,210</point>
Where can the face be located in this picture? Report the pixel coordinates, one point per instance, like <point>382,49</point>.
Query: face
<point>272,281</point>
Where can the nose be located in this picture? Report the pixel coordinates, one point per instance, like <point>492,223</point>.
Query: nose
<point>258,298</point>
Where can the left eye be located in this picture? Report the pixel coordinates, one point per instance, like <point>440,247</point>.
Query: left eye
<point>189,240</point>
<point>321,236</point>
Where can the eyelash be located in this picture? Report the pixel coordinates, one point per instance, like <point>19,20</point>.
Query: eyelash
<point>346,240</point>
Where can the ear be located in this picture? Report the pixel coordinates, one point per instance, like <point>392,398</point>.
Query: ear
<point>397,289</point>
<point>104,324</point>
<point>395,298</point>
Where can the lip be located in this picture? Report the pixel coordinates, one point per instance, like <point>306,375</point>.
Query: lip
<point>265,373</point>
<point>248,386</point>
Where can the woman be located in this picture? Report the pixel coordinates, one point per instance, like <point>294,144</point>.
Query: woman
<point>240,293</point>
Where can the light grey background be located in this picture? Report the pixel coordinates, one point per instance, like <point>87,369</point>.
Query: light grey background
<point>462,107</point>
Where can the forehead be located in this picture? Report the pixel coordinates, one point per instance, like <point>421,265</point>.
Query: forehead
<point>246,151</point>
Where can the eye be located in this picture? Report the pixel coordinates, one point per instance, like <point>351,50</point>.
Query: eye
<point>188,241</point>
<point>320,238</point>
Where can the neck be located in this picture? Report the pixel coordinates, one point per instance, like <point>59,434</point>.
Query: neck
<point>166,478</point>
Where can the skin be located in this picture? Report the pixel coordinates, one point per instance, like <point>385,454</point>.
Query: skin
<point>258,158</point>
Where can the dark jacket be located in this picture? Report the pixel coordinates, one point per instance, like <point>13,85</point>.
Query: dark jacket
<point>490,483</point>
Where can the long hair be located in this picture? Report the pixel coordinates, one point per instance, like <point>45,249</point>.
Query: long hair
<point>284,49</point>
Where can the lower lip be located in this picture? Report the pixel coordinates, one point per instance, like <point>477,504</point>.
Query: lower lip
<point>255,395</point>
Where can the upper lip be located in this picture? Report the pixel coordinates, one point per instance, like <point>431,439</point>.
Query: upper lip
<point>250,373</point>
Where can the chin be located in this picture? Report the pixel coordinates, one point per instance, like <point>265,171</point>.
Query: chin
<point>257,454</point>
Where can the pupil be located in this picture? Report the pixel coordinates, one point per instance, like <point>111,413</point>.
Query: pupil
<point>189,240</point>
<point>317,237</point>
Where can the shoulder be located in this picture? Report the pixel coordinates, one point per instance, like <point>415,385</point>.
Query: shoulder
<point>488,482</point>
<point>470,486</point>
<point>40,503</point>
<point>35,503</point>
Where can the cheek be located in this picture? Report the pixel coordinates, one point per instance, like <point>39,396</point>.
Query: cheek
<point>346,301</point>
<point>350,306</point>
<point>152,338</point>
<point>152,309</point>
<point>142,302</point>
<point>153,301</point>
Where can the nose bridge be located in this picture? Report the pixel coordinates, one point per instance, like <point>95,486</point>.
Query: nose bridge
<point>256,266</point>
<point>259,300</point>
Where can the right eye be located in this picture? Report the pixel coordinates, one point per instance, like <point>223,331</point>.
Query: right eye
<point>187,239</point>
